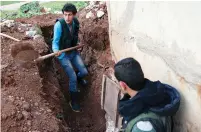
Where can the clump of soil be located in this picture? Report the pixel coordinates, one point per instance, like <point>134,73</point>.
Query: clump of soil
<point>32,98</point>
<point>27,55</point>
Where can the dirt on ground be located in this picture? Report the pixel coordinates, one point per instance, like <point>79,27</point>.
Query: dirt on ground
<point>35,98</point>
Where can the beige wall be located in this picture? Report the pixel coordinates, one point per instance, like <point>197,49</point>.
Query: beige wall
<point>165,37</point>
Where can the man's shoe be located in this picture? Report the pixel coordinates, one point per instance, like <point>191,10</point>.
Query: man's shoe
<point>74,101</point>
<point>75,107</point>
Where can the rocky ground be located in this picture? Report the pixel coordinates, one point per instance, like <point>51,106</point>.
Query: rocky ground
<point>35,98</point>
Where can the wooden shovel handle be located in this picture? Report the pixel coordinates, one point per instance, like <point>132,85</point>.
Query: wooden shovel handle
<point>5,35</point>
<point>53,54</point>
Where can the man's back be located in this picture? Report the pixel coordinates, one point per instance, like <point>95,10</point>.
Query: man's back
<point>145,102</point>
<point>150,122</point>
<point>151,108</point>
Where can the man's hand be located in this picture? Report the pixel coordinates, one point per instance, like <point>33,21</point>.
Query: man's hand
<point>58,54</point>
<point>80,49</point>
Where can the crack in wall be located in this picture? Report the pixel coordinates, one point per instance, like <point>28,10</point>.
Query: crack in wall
<point>181,62</point>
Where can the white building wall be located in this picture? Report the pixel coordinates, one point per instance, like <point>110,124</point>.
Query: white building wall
<point>165,37</point>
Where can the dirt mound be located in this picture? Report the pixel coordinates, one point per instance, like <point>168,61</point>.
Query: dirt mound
<point>41,20</point>
<point>24,106</point>
<point>94,30</point>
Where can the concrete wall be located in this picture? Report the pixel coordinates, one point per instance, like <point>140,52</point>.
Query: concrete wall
<point>165,37</point>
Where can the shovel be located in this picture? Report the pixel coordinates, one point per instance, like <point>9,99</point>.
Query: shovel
<point>26,55</point>
<point>53,54</point>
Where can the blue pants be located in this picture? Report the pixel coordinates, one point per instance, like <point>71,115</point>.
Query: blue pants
<point>68,61</point>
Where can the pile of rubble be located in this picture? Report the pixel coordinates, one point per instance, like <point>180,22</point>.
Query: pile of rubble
<point>30,31</point>
<point>96,9</point>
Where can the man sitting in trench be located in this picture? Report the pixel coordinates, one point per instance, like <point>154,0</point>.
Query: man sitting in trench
<point>66,36</point>
<point>147,106</point>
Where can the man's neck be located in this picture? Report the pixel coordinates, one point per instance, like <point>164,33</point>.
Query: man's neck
<point>132,93</point>
<point>70,23</point>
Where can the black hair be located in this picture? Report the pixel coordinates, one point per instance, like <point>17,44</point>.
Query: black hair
<point>129,71</point>
<point>70,8</point>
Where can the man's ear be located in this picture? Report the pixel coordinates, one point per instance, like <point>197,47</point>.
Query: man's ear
<point>123,85</point>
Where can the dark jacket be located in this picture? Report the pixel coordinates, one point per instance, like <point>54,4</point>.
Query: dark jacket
<point>156,97</point>
<point>67,39</point>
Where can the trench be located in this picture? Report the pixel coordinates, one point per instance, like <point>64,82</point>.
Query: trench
<point>92,118</point>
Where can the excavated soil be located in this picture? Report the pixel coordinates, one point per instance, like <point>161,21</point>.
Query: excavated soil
<point>36,99</point>
<point>23,104</point>
<point>27,55</point>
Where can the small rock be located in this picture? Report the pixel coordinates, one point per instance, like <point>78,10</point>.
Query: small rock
<point>10,74</point>
<point>26,114</point>
<point>3,116</point>
<point>15,67</point>
<point>8,23</point>
<point>4,66</point>
<point>48,110</point>
<point>88,7</point>
<point>17,98</point>
<point>23,25</point>
<point>11,98</point>
<point>100,13</point>
<point>96,9</point>
<point>37,36</point>
<point>13,113</point>
<point>22,98</point>
<point>18,124</point>
<point>24,129</point>
<point>89,15</point>
<point>37,113</point>
<point>19,116</point>
<point>31,33</point>
<point>26,106</point>
<point>57,12</point>
<point>29,123</point>
<point>47,9</point>
<point>20,103</point>
<point>35,29</point>
<point>92,3</point>
<point>102,3</point>
<point>21,31</point>
<point>36,104</point>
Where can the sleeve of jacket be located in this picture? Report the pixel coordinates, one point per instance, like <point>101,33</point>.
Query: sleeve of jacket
<point>56,38</point>
<point>143,126</point>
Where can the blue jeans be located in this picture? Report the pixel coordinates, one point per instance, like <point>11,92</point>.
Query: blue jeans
<point>68,61</point>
